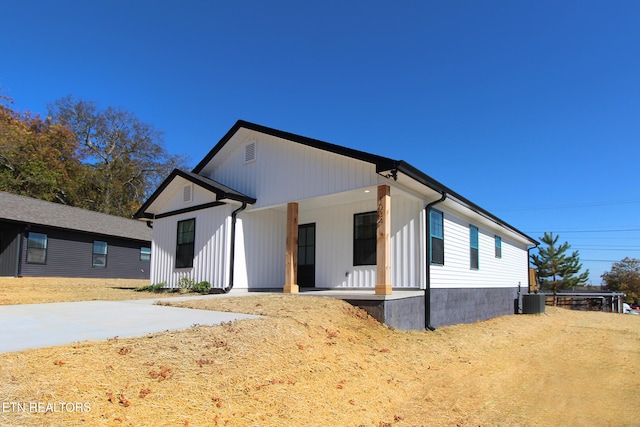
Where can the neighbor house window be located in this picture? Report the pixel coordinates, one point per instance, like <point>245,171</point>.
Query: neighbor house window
<point>364,238</point>
<point>473,246</point>
<point>436,222</point>
<point>498,247</point>
<point>37,248</point>
<point>145,254</point>
<point>185,243</point>
<point>100,254</point>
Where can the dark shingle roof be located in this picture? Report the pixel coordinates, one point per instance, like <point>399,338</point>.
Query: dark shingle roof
<point>33,211</point>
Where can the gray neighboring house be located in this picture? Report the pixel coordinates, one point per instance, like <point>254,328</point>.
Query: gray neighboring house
<point>44,239</point>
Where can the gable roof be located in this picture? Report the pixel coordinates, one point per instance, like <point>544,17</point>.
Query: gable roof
<point>221,191</point>
<point>387,165</point>
<point>382,163</point>
<point>27,210</point>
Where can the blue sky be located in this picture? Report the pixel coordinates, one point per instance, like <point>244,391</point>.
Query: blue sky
<point>531,109</point>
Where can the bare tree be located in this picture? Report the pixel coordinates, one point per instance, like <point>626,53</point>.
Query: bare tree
<point>126,156</point>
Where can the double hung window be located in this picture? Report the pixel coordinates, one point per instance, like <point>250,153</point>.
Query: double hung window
<point>436,232</point>
<point>145,253</point>
<point>364,238</point>
<point>474,247</point>
<point>185,243</point>
<point>100,249</point>
<point>37,248</point>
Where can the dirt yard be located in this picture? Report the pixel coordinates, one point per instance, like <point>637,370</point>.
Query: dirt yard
<point>318,362</point>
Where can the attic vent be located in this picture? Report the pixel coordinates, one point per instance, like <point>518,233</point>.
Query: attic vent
<point>250,152</point>
<point>187,193</point>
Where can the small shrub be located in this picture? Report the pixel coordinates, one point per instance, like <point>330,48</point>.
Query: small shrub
<point>201,287</point>
<point>186,283</point>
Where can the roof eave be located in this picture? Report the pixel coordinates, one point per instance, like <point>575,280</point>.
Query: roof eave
<point>205,183</point>
<point>381,162</point>
<point>416,174</point>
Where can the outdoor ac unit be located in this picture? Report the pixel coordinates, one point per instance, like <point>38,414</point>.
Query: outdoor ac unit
<point>533,303</point>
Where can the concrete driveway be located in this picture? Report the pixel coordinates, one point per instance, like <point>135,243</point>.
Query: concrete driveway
<point>41,325</point>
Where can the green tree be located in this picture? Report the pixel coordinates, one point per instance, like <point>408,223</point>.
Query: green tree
<point>557,269</point>
<point>625,277</point>
<point>37,157</point>
<point>126,157</point>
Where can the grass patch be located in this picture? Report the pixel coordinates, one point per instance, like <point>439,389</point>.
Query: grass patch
<point>156,288</point>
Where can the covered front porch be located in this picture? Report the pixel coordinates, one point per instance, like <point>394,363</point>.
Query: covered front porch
<point>300,253</point>
<point>368,240</point>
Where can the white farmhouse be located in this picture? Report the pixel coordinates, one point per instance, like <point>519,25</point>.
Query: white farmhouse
<point>267,209</point>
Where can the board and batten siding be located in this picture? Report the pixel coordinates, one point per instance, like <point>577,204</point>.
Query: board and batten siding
<point>507,271</point>
<point>334,244</point>
<point>284,172</point>
<point>260,249</point>
<point>211,247</point>
<point>180,197</point>
<point>260,246</point>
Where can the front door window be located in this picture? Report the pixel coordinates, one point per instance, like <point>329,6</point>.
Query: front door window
<point>307,255</point>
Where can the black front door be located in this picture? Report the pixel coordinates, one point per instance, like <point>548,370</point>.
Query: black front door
<point>307,255</point>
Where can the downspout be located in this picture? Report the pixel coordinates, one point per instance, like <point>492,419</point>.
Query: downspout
<point>427,289</point>
<point>232,251</point>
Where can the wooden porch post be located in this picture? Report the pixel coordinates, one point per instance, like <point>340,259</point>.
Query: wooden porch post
<point>291,273</point>
<point>383,240</point>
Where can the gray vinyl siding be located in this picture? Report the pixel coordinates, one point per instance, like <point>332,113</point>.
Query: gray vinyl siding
<point>70,254</point>
<point>9,249</point>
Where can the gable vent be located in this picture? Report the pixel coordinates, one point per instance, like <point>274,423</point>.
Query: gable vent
<point>187,193</point>
<point>250,152</point>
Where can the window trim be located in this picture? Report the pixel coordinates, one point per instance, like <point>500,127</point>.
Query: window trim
<point>94,253</point>
<point>498,246</point>
<point>44,249</point>
<point>358,259</point>
<point>438,236</point>
<point>474,247</point>
<point>189,263</point>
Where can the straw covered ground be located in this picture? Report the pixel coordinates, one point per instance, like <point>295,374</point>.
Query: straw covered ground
<point>36,290</point>
<point>315,361</point>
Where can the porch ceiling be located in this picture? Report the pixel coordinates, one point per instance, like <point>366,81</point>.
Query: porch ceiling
<point>351,196</point>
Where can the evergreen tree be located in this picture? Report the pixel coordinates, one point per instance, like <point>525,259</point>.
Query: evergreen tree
<point>557,269</point>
